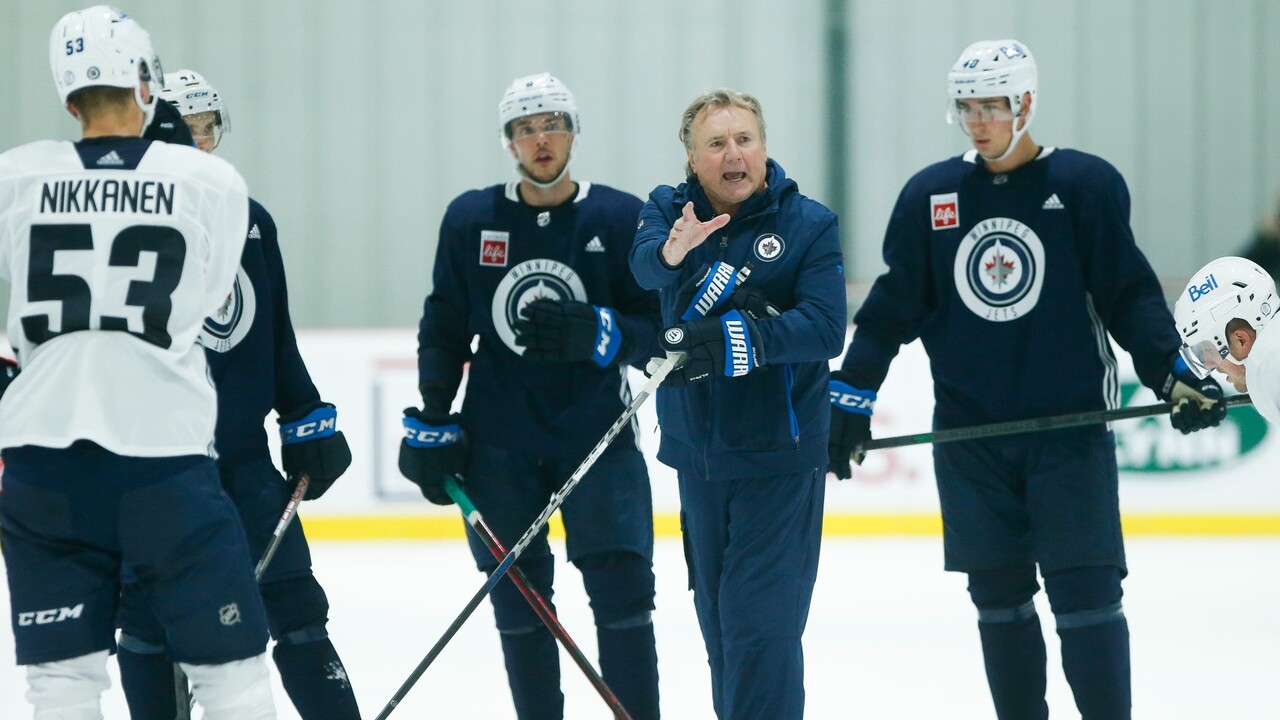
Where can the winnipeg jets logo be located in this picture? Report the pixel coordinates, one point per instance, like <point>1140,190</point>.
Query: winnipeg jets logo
<point>230,323</point>
<point>532,280</point>
<point>769,246</point>
<point>999,269</point>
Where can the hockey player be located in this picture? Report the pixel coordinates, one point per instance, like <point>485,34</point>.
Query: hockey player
<point>254,361</point>
<point>538,269</point>
<point>117,248</point>
<point>744,422</point>
<point>1222,313</point>
<point>1012,263</point>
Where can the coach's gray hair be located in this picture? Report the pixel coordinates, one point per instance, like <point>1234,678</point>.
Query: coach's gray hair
<point>724,97</point>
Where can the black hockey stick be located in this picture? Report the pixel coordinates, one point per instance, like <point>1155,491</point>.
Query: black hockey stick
<point>182,688</point>
<point>660,373</point>
<point>536,601</point>
<point>1014,427</point>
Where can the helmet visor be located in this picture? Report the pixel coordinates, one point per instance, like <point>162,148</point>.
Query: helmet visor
<point>1200,358</point>
<point>531,125</point>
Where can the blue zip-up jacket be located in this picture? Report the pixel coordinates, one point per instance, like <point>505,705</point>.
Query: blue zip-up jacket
<point>774,420</point>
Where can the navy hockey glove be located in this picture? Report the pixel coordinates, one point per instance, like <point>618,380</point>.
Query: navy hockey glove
<point>434,448</point>
<point>312,445</point>
<point>707,293</point>
<point>8,372</point>
<point>850,423</point>
<point>724,345</point>
<point>1197,402</point>
<point>569,331</point>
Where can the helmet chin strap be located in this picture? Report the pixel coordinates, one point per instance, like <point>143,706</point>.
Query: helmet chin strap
<point>148,109</point>
<point>1013,141</point>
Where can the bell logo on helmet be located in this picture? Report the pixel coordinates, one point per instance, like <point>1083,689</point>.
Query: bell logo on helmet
<point>1195,292</point>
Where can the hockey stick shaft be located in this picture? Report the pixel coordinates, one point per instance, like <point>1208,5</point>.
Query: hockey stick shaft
<point>536,601</point>
<point>182,687</point>
<point>673,361</point>
<point>1015,427</point>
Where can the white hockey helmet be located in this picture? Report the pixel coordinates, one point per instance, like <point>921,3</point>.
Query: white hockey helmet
<point>534,94</point>
<point>1223,290</point>
<point>995,68</point>
<point>101,45</point>
<point>192,94</point>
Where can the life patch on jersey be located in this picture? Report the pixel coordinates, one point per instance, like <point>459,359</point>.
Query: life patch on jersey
<point>531,280</point>
<point>226,327</point>
<point>944,211</point>
<point>999,269</point>
<point>493,247</point>
<point>769,247</point>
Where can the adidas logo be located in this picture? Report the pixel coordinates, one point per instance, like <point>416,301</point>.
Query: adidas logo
<point>1053,203</point>
<point>255,233</point>
<point>595,245</point>
<point>111,159</point>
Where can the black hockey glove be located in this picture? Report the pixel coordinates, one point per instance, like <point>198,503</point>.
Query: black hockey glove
<point>568,331</point>
<point>1197,402</point>
<point>707,293</point>
<point>434,448</point>
<point>312,445</point>
<point>724,345</point>
<point>850,424</point>
<point>8,372</point>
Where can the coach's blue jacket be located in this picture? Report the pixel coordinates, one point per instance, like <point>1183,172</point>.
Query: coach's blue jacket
<point>774,420</point>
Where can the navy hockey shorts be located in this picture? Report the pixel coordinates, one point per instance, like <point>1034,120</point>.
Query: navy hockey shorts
<point>611,509</point>
<point>70,517</point>
<point>1054,502</point>
<point>295,602</point>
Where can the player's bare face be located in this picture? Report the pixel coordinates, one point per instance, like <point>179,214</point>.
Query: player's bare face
<point>204,129</point>
<point>728,155</point>
<point>989,124</point>
<point>541,144</point>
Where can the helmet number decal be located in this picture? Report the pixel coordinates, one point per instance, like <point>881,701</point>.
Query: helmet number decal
<point>75,46</point>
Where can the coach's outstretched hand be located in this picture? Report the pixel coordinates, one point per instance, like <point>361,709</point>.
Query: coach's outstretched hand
<point>434,448</point>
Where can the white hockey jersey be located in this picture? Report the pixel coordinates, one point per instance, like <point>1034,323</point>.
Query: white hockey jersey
<point>1262,373</point>
<point>116,250</point>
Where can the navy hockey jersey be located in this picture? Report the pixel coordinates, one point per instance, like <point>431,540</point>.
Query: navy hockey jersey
<point>495,255</point>
<point>251,349</point>
<point>1013,281</point>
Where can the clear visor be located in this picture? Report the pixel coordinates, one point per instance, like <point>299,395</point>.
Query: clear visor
<point>549,123</point>
<point>980,110</point>
<point>1201,358</point>
<point>206,129</point>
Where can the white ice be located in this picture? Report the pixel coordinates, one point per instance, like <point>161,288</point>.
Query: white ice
<point>890,636</point>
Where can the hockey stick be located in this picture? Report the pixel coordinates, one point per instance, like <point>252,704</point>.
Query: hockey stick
<point>660,373</point>
<point>182,688</point>
<point>536,601</point>
<point>1014,427</point>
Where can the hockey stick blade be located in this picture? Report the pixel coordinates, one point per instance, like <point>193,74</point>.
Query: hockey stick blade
<point>539,604</point>
<point>1015,427</point>
<point>673,361</point>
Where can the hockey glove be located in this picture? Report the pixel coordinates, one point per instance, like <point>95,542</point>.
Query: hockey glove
<point>434,448</point>
<point>724,345</point>
<point>1197,402</point>
<point>312,445</point>
<point>8,372</point>
<point>569,331</point>
<point>707,293</point>
<point>850,424</point>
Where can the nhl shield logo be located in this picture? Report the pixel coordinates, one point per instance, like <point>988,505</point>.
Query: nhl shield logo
<point>769,246</point>
<point>229,614</point>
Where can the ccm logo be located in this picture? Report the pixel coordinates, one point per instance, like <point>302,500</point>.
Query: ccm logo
<point>53,615</point>
<point>315,427</point>
<point>853,402</point>
<point>431,437</point>
<point>945,210</point>
<point>606,330</point>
